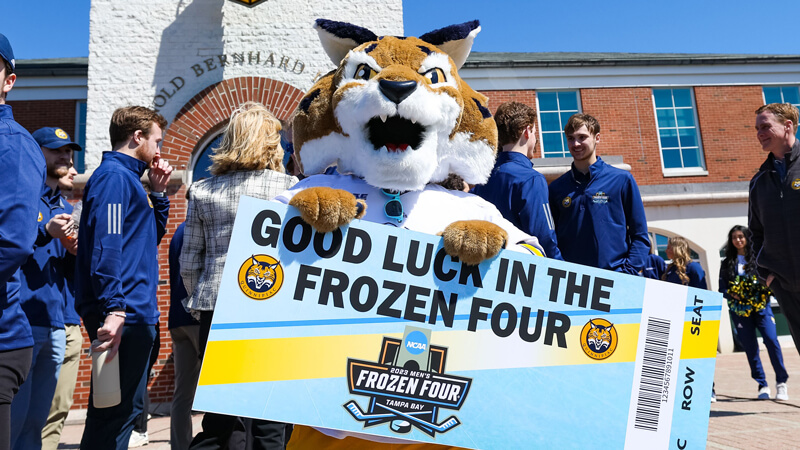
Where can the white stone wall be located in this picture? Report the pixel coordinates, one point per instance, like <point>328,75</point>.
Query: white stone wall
<point>161,53</point>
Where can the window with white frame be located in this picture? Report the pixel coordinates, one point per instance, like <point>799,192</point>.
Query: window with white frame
<point>554,109</point>
<point>678,134</point>
<point>782,94</point>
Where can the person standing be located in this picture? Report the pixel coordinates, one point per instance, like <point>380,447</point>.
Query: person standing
<point>185,333</point>
<point>517,190</point>
<point>68,375</point>
<point>248,162</point>
<point>597,208</point>
<point>774,208</point>
<point>750,310</point>
<point>20,189</point>
<point>117,264</point>
<point>681,269</point>
<point>43,283</point>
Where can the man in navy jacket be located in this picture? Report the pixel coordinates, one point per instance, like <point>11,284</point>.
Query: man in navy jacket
<point>117,267</point>
<point>597,208</point>
<point>517,190</point>
<point>42,292</point>
<point>20,188</point>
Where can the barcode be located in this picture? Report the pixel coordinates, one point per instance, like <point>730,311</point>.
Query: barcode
<point>654,366</point>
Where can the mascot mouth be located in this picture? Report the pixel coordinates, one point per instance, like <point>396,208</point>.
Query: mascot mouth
<point>395,133</point>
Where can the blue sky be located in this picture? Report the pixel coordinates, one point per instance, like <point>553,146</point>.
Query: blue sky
<point>60,28</point>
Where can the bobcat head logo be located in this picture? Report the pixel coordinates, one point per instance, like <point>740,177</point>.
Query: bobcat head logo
<point>599,339</point>
<point>395,112</point>
<point>260,277</point>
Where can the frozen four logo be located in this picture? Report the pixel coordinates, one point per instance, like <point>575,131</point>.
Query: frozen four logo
<point>407,386</point>
<point>260,277</point>
<point>600,197</point>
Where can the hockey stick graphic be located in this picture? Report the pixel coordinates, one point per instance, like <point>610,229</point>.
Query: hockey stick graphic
<point>353,408</point>
<point>452,422</point>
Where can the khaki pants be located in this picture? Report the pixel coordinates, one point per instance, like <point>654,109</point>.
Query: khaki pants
<point>65,388</point>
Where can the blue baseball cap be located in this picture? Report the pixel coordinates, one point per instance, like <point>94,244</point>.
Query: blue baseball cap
<point>54,138</point>
<point>6,52</point>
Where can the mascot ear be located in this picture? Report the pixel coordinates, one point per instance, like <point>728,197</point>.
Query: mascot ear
<point>455,40</point>
<point>338,38</point>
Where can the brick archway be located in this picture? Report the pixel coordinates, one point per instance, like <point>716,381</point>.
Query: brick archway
<point>212,106</point>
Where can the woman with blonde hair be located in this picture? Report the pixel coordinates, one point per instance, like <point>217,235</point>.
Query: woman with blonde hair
<point>248,162</point>
<point>682,270</point>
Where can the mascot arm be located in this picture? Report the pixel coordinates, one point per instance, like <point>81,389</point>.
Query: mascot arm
<point>327,209</point>
<point>474,241</point>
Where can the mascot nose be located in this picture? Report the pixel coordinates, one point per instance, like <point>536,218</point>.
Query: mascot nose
<point>397,91</point>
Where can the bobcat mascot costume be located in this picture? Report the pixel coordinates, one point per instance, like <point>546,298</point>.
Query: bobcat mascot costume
<point>393,118</point>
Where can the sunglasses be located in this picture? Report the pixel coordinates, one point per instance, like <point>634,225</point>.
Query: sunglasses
<point>393,208</point>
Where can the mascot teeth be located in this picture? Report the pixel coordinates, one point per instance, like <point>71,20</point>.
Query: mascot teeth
<point>394,133</point>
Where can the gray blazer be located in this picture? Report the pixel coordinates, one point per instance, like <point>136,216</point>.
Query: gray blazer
<point>209,223</point>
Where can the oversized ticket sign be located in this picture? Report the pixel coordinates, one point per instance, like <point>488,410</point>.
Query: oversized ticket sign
<point>375,329</point>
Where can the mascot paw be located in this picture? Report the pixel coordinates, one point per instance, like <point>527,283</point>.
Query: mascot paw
<point>473,241</point>
<point>326,209</point>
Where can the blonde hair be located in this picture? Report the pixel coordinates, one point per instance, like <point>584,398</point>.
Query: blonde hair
<point>681,258</point>
<point>251,141</point>
<point>782,112</point>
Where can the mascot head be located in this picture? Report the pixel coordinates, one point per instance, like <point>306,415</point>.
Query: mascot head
<point>395,112</point>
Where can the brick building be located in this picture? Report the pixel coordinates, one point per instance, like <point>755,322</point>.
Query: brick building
<point>681,123</point>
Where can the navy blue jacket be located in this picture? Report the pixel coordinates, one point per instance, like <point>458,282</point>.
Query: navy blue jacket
<point>654,267</point>
<point>520,194</point>
<point>600,219</point>
<point>121,226</point>
<point>71,316</point>
<point>20,189</point>
<point>178,317</point>
<point>44,273</point>
<point>697,276</point>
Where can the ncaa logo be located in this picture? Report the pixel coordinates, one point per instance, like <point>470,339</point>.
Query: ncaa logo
<point>416,342</point>
<point>260,277</point>
<point>566,202</point>
<point>796,184</point>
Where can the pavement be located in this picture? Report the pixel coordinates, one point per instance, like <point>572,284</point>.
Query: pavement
<point>738,420</point>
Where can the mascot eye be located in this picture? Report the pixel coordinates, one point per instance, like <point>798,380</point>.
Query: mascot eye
<point>365,72</point>
<point>435,75</point>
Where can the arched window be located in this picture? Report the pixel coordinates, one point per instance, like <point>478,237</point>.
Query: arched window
<point>203,161</point>
<point>661,246</point>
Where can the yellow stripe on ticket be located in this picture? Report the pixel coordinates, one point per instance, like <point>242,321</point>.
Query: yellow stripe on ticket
<point>261,360</point>
<point>257,360</point>
<point>702,344</point>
